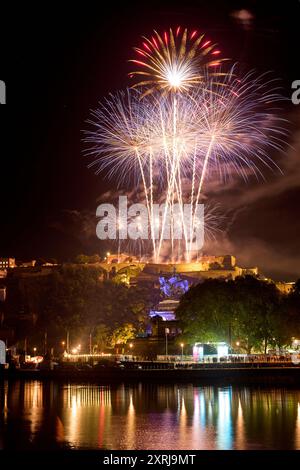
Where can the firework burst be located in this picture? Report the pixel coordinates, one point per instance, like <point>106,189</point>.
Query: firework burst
<point>174,61</point>
<point>203,127</point>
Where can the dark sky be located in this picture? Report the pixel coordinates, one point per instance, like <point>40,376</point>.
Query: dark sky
<point>57,63</point>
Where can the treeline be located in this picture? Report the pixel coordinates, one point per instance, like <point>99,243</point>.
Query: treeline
<point>77,300</point>
<point>248,313</point>
<point>86,259</point>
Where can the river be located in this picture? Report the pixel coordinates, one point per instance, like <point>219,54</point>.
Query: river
<point>51,415</point>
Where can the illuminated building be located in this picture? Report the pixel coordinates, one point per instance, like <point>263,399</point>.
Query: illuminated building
<point>7,263</point>
<point>146,273</point>
<point>206,267</point>
<point>165,309</point>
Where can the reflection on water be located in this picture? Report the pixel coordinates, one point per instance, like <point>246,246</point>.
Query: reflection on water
<point>51,415</point>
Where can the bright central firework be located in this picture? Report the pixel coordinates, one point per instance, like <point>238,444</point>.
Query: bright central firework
<point>174,61</point>
<point>178,125</point>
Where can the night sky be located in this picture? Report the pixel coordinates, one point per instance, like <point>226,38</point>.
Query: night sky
<point>57,64</point>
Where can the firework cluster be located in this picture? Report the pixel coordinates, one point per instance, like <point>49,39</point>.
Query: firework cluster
<point>184,118</point>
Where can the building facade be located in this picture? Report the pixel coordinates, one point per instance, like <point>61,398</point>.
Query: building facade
<point>7,263</point>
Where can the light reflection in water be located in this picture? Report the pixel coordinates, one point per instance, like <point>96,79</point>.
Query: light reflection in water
<point>199,423</point>
<point>5,407</point>
<point>148,416</point>
<point>224,437</point>
<point>297,431</point>
<point>130,428</point>
<point>33,404</point>
<point>182,421</point>
<point>86,410</point>
<point>240,431</point>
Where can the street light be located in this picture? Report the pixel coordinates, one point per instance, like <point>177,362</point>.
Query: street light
<point>167,331</point>
<point>181,344</point>
<point>68,341</point>
<point>34,350</point>
<point>237,343</point>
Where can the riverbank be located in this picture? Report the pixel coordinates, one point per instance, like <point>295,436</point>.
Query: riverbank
<point>258,373</point>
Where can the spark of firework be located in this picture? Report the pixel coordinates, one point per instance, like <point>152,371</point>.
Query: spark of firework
<point>238,127</point>
<point>174,61</point>
<point>223,128</point>
<point>137,137</point>
<point>121,142</point>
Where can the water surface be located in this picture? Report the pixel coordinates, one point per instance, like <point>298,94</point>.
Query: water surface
<point>48,415</point>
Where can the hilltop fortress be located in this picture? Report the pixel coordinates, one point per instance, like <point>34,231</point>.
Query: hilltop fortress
<point>133,270</point>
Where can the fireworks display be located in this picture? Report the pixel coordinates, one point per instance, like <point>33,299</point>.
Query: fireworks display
<point>175,61</point>
<point>185,120</point>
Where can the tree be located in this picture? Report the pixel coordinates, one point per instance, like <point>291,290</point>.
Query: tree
<point>122,334</point>
<point>205,311</point>
<point>94,259</point>
<point>102,336</point>
<point>290,329</point>
<point>72,298</point>
<point>82,259</point>
<point>247,310</point>
<point>40,262</point>
<point>258,313</point>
